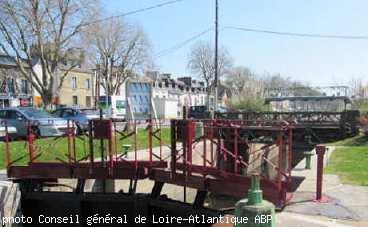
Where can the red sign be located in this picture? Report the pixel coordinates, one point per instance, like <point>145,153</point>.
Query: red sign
<point>24,102</point>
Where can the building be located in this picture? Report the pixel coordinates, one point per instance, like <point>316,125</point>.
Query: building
<point>78,89</point>
<point>194,92</point>
<point>171,95</point>
<point>15,89</point>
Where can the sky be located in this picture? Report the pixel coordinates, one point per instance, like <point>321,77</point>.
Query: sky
<point>318,62</point>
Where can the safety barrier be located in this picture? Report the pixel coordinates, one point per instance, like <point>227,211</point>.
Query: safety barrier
<point>106,149</point>
<point>215,156</point>
<point>220,155</point>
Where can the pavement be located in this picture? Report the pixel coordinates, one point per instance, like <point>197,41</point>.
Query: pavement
<point>347,204</point>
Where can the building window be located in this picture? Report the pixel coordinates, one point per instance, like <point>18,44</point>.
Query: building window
<point>75,100</point>
<point>74,82</point>
<point>88,101</point>
<point>88,84</point>
<point>11,89</point>
<point>24,87</point>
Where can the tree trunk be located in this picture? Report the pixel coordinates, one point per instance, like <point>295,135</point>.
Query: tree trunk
<point>208,98</point>
<point>47,101</point>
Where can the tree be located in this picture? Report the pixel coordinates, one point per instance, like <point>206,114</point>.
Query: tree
<point>243,81</point>
<point>359,95</point>
<point>119,50</point>
<point>247,89</point>
<point>201,63</point>
<point>43,31</point>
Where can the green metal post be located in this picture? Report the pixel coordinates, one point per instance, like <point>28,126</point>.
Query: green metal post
<point>308,156</point>
<point>254,211</point>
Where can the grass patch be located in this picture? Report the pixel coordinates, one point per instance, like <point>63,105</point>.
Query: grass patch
<point>52,149</point>
<point>350,161</point>
<point>361,140</point>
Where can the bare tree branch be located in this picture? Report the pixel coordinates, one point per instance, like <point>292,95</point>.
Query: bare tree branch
<point>119,50</point>
<point>43,31</point>
<point>201,63</point>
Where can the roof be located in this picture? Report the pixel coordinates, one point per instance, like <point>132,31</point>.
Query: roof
<point>7,60</point>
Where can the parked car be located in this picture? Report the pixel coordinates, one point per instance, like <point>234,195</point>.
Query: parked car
<point>78,115</point>
<point>199,112</point>
<point>42,123</point>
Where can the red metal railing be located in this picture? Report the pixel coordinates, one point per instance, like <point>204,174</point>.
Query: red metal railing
<point>213,155</point>
<point>218,156</point>
<point>101,157</point>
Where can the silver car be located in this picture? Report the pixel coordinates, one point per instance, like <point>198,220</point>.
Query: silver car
<point>80,116</point>
<point>41,123</point>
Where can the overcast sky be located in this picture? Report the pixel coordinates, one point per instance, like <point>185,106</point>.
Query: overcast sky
<point>317,61</point>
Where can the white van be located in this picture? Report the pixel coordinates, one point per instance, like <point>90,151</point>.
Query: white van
<point>114,106</point>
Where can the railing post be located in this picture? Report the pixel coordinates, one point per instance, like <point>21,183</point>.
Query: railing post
<point>91,145</point>
<point>191,131</point>
<point>135,145</point>
<point>74,146</point>
<point>320,150</point>
<point>280,161</point>
<point>69,142</point>
<point>7,145</point>
<point>290,156</point>
<point>204,148</point>
<point>30,143</point>
<point>173,146</point>
<point>111,152</point>
<point>236,152</point>
<point>219,146</point>
<point>160,135</point>
<point>211,145</point>
<point>150,140</point>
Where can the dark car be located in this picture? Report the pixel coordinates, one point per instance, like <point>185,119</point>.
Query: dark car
<point>199,112</point>
<point>78,115</point>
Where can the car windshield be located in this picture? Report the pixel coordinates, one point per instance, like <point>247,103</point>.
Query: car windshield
<point>33,113</point>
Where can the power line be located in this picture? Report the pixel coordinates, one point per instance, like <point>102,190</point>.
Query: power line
<point>308,35</point>
<point>133,12</point>
<point>182,44</point>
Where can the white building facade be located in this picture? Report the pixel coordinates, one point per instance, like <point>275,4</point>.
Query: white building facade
<point>173,94</point>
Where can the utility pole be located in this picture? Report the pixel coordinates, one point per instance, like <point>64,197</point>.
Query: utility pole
<point>216,57</point>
